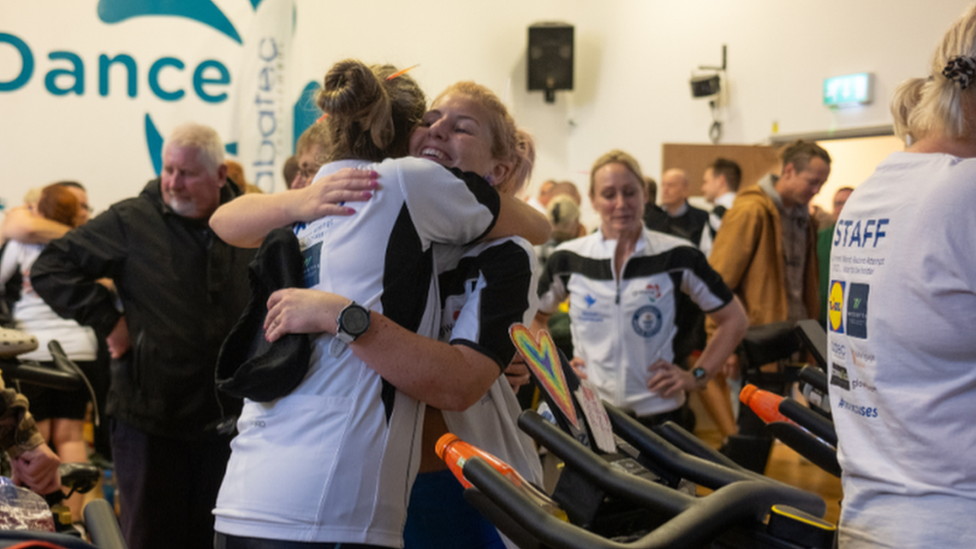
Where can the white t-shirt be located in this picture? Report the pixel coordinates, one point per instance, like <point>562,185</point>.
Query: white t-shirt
<point>715,221</point>
<point>901,318</point>
<point>621,327</point>
<point>334,460</point>
<point>35,317</point>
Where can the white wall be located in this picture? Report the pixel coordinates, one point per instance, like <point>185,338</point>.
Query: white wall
<point>633,61</point>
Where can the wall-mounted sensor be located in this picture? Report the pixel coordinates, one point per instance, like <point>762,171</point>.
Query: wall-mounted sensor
<point>705,86</point>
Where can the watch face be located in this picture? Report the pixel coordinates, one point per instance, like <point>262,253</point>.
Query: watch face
<point>699,373</point>
<point>355,320</point>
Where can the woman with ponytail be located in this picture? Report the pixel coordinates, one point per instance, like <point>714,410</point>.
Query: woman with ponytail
<point>332,462</point>
<point>902,311</point>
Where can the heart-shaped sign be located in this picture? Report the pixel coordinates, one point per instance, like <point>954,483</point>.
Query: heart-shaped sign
<point>543,360</point>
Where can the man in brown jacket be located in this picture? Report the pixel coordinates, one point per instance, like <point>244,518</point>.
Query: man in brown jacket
<point>766,250</point>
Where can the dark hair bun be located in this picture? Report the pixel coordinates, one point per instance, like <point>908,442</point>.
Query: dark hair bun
<point>354,93</point>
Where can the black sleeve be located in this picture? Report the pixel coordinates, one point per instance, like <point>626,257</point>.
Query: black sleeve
<point>505,299</point>
<point>65,274</point>
<point>485,194</point>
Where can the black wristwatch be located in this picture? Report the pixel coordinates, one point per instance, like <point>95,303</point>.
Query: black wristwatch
<point>353,322</point>
<point>700,375</point>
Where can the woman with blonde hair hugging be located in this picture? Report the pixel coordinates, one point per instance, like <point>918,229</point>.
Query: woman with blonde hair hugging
<point>332,462</point>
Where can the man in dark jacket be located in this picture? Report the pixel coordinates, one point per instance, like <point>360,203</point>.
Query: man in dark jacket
<point>675,215</point>
<point>181,290</point>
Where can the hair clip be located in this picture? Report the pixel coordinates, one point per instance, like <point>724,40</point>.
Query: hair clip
<point>321,118</point>
<point>401,73</point>
<point>960,69</point>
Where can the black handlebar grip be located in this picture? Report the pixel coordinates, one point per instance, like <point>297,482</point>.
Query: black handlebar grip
<point>809,420</point>
<point>702,522</point>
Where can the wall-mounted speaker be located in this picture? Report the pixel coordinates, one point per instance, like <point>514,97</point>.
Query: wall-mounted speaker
<point>550,58</point>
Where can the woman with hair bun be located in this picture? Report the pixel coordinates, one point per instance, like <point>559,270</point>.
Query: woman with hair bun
<point>332,462</point>
<point>901,316</point>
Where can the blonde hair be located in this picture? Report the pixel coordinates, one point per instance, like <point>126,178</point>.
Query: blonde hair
<point>371,115</point>
<point>563,214</point>
<point>617,156</point>
<point>315,135</point>
<point>210,150</point>
<point>906,98</point>
<point>33,196</point>
<point>509,143</point>
<point>939,104</point>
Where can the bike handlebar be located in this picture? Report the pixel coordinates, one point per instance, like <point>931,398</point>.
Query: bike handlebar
<point>699,521</point>
<point>63,377</point>
<point>103,526</point>
<point>655,448</point>
<point>649,494</point>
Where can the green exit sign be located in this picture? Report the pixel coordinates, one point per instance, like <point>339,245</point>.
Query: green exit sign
<point>851,89</point>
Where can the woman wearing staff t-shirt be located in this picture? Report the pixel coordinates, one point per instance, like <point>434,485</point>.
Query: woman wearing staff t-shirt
<point>332,462</point>
<point>901,315</point>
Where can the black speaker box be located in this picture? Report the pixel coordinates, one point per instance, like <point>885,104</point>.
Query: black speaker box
<point>550,57</point>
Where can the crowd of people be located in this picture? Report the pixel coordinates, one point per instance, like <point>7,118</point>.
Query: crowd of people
<point>384,281</point>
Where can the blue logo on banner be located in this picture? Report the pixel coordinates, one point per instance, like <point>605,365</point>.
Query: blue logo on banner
<point>647,321</point>
<point>306,112</point>
<point>857,310</point>
<point>204,11</point>
<point>209,79</point>
<point>590,300</point>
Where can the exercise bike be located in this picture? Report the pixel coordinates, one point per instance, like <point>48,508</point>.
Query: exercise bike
<point>634,492</point>
<point>100,520</point>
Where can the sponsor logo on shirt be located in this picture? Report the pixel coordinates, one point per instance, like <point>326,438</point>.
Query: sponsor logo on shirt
<point>647,321</point>
<point>835,307</point>
<point>857,310</point>
<point>839,350</point>
<point>863,411</point>
<point>653,292</point>
<point>858,384</point>
<point>312,257</point>
<point>838,377</point>
<point>587,315</point>
<point>861,358</point>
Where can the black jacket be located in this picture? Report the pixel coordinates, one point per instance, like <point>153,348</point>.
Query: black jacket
<point>182,289</point>
<point>689,225</point>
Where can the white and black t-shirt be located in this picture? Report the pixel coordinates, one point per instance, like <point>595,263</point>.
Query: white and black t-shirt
<point>901,316</point>
<point>334,460</point>
<point>485,289</point>
<point>621,327</point>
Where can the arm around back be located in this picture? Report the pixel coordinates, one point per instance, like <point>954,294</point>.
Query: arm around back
<point>517,218</point>
<point>246,220</point>
<point>22,225</point>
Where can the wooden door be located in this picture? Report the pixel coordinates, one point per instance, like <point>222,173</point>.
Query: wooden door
<point>755,160</point>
